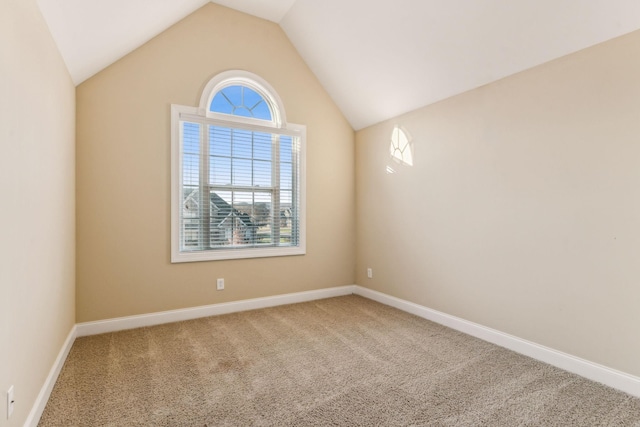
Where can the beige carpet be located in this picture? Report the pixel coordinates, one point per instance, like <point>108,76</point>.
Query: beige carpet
<point>344,361</point>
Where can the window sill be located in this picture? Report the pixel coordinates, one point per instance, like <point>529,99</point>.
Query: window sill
<point>222,254</point>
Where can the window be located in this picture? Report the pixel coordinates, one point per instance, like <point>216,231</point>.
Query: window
<point>237,174</point>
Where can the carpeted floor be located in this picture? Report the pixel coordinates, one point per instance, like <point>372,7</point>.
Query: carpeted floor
<point>344,361</point>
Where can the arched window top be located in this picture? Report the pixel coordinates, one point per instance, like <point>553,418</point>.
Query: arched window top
<point>241,101</point>
<point>244,97</point>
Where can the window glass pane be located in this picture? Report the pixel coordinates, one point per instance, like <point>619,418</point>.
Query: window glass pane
<point>285,199</point>
<point>255,103</point>
<point>221,104</point>
<point>240,101</point>
<point>262,111</point>
<point>190,169</point>
<point>241,141</point>
<point>191,235</point>
<point>262,208</point>
<point>220,141</point>
<point>286,218</point>
<point>190,229</point>
<point>226,196</point>
<point>286,148</point>
<point>191,150</point>
<point>261,173</point>
<point>191,137</point>
<point>263,218</point>
<point>220,171</point>
<point>286,179</point>
<point>241,172</point>
<point>233,94</point>
<point>242,111</point>
<point>190,210</point>
<point>285,231</point>
<point>190,202</point>
<point>220,227</point>
<point>244,227</point>
<point>262,145</point>
<point>251,98</point>
<point>243,200</point>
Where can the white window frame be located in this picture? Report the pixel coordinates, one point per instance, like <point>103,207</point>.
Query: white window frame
<point>202,115</point>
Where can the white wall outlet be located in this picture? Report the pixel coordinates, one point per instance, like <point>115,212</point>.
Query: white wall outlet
<point>370,273</point>
<point>220,284</point>
<point>10,402</point>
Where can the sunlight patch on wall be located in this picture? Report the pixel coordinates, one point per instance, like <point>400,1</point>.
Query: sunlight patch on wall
<point>400,148</point>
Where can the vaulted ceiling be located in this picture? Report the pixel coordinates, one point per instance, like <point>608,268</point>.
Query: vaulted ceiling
<point>376,58</point>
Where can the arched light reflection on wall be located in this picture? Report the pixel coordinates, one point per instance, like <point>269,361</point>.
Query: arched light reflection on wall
<point>400,147</point>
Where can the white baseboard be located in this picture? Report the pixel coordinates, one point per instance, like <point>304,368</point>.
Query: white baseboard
<point>47,387</point>
<point>593,371</point>
<point>130,322</point>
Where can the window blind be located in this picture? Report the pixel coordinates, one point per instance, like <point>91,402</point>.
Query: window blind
<point>240,188</point>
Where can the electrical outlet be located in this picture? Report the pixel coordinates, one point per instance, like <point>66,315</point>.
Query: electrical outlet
<point>370,273</point>
<point>10,402</point>
<point>220,284</point>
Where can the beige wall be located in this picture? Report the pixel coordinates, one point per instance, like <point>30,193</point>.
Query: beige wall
<point>123,172</point>
<point>522,210</point>
<point>37,212</point>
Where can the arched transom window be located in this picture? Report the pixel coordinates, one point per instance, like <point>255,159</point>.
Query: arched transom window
<point>238,174</point>
<point>241,101</point>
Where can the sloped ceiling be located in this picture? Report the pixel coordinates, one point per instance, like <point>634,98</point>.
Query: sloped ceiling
<point>376,58</point>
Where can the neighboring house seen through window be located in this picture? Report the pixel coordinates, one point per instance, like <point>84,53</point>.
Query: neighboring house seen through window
<point>237,174</point>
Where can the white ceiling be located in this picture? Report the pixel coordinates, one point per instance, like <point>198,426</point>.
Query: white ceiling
<point>376,58</point>
<point>273,10</point>
<point>93,34</point>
